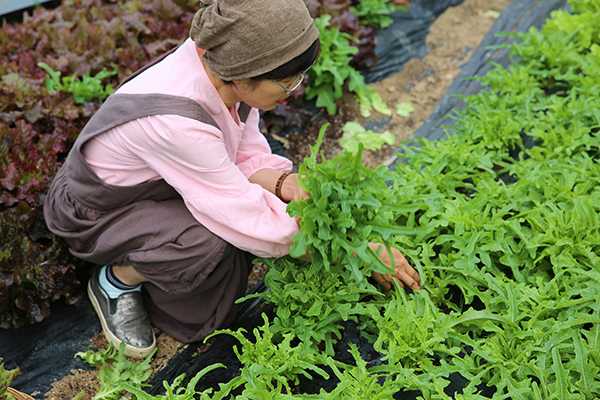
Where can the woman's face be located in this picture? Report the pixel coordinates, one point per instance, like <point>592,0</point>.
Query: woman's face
<point>264,96</point>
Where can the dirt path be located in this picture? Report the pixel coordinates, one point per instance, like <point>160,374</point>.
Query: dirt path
<point>422,82</point>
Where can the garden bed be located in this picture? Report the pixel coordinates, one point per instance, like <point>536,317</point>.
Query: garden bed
<point>456,278</point>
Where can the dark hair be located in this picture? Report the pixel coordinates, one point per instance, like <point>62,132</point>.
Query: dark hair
<point>293,67</point>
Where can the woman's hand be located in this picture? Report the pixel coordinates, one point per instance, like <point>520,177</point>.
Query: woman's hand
<point>291,189</point>
<point>404,273</point>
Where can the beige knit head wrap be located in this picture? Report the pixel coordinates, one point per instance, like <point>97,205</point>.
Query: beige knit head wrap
<point>247,38</point>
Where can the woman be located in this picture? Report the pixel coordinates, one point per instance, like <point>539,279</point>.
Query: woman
<point>172,188</point>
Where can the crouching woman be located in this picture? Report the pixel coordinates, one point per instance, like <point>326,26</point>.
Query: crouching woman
<point>172,189</point>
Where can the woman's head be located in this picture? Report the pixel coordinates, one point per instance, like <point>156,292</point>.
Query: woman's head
<point>279,83</point>
<point>291,73</point>
<point>254,38</point>
<point>258,49</point>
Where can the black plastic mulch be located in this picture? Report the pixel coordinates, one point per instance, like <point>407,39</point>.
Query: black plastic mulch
<point>45,351</point>
<point>519,16</point>
<point>405,37</point>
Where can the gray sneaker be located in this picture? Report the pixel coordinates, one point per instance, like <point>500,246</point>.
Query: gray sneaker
<point>123,319</point>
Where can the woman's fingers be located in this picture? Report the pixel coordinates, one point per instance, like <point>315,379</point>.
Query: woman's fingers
<point>404,273</point>
<point>382,280</point>
<point>301,194</point>
<point>411,278</point>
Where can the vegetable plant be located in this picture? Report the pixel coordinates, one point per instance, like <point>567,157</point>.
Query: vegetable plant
<point>348,207</point>
<point>88,88</point>
<point>404,109</point>
<point>311,305</point>
<point>271,363</point>
<point>115,370</point>
<point>376,12</point>
<point>359,382</point>
<point>6,378</point>
<point>175,390</point>
<point>328,76</point>
<point>355,133</point>
<point>410,330</point>
<point>333,70</point>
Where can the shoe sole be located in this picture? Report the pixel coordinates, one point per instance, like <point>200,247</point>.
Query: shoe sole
<point>130,351</point>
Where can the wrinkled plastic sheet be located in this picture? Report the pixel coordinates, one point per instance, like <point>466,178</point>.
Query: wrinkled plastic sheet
<point>405,37</point>
<point>45,351</point>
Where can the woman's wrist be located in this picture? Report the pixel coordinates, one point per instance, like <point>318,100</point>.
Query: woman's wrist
<point>284,187</point>
<point>290,187</point>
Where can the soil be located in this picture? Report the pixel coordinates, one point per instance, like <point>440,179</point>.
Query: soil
<point>422,82</point>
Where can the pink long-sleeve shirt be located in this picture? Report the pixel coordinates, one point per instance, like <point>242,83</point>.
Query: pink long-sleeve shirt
<point>207,166</point>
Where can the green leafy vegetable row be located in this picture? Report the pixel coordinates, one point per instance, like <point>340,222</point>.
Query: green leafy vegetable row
<point>501,220</point>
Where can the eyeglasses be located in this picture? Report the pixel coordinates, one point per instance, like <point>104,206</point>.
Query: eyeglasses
<point>297,82</point>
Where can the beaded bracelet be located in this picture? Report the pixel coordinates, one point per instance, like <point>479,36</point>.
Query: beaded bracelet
<point>280,183</point>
